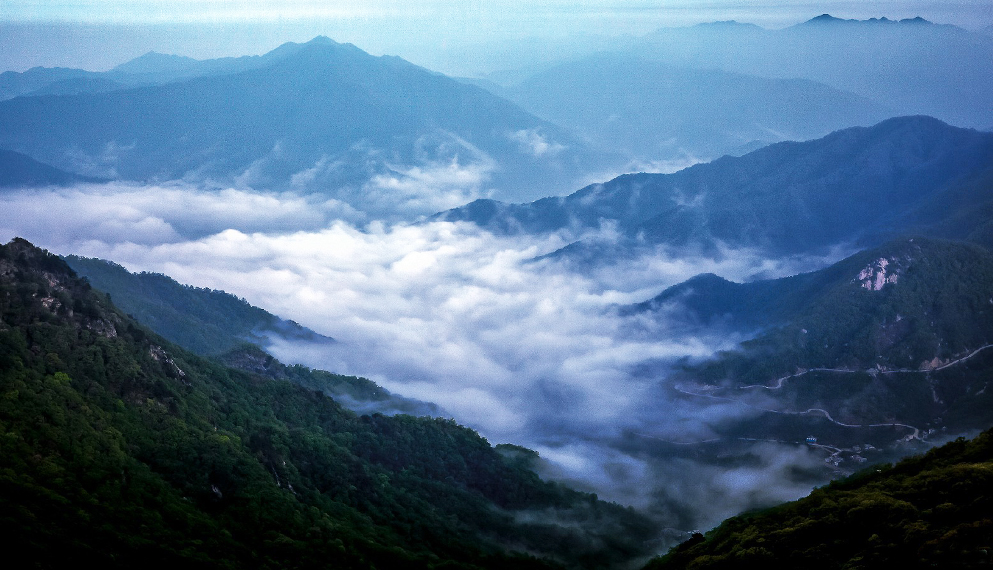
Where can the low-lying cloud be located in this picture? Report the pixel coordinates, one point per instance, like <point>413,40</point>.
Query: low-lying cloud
<point>525,351</point>
<point>123,212</point>
<point>535,143</point>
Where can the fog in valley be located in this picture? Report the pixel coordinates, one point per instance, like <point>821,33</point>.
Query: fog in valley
<point>523,350</point>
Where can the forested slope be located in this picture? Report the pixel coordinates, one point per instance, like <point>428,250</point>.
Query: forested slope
<point>121,449</point>
<point>931,511</point>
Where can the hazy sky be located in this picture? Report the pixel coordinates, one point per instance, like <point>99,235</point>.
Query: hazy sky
<point>471,12</point>
<point>98,34</point>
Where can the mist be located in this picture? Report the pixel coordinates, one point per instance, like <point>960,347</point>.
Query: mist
<point>523,350</point>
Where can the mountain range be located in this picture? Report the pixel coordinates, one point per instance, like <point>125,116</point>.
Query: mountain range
<point>327,117</point>
<point>692,94</point>
<point>143,421</point>
<point>886,344</point>
<point>912,66</point>
<point>320,116</point>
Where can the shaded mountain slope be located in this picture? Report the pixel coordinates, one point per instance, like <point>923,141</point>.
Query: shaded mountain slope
<point>119,448</point>
<point>913,66</point>
<point>218,324</point>
<point>924,512</point>
<point>858,185</point>
<point>899,306</point>
<point>204,321</point>
<point>887,347</point>
<point>21,171</point>
<point>655,111</point>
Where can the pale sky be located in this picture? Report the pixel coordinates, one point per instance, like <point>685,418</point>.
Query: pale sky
<point>650,13</point>
<point>98,34</point>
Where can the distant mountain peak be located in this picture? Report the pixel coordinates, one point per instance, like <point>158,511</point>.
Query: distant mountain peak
<point>322,40</point>
<point>155,62</point>
<point>320,44</point>
<point>727,24</point>
<point>824,19</point>
<point>829,19</point>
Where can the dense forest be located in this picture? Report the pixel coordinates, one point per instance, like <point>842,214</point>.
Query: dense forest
<point>930,511</point>
<point>122,449</point>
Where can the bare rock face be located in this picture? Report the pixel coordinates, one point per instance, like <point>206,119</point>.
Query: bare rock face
<point>878,274</point>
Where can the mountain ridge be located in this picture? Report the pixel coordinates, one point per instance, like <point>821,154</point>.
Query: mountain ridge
<point>858,185</point>
<point>828,19</point>
<point>913,67</point>
<point>205,321</point>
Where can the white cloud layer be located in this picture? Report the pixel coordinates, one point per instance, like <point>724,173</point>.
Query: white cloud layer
<point>526,352</point>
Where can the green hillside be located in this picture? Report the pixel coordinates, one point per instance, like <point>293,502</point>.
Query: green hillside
<point>121,449</point>
<point>206,321</point>
<point>934,303</point>
<point>872,357</point>
<point>931,511</point>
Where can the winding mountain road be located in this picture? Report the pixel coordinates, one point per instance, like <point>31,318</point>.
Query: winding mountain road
<point>780,381</point>
<point>827,415</point>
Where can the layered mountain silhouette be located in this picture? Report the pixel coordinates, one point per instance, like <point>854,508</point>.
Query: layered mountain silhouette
<point>152,68</point>
<point>654,111</point>
<point>912,66</point>
<point>14,84</point>
<point>855,186</point>
<point>320,115</point>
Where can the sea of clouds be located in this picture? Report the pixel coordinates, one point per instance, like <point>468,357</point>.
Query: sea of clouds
<point>525,350</point>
